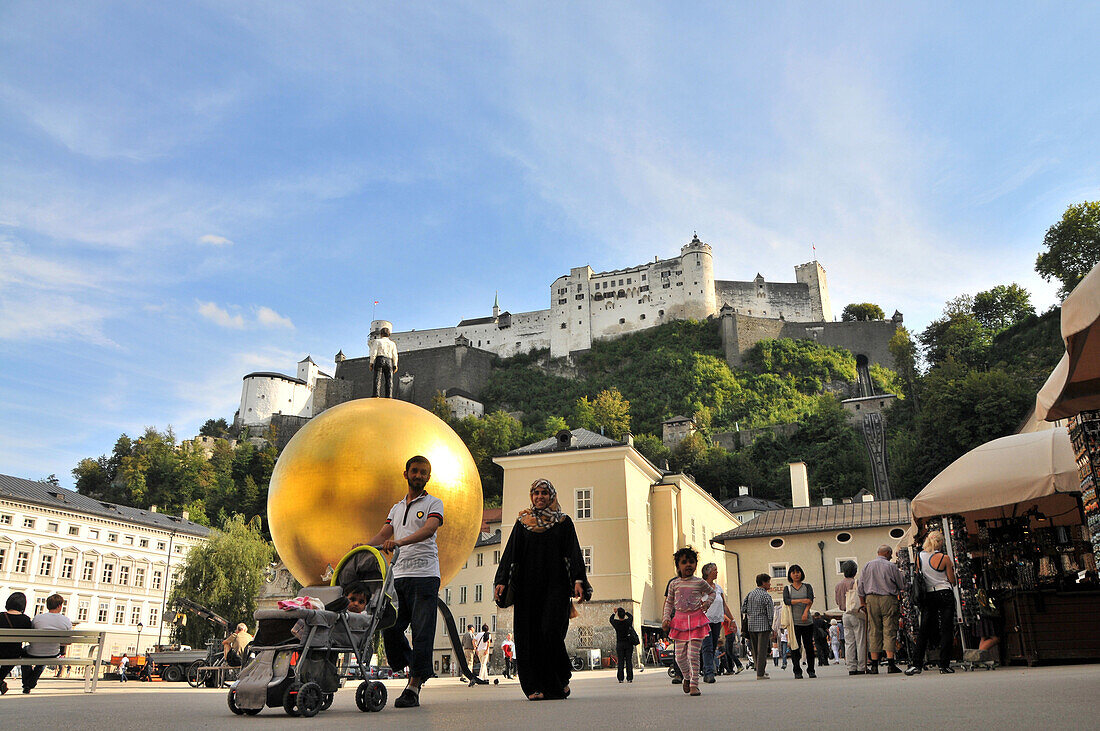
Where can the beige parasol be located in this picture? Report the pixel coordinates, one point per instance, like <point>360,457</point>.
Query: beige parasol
<point>1080,389</point>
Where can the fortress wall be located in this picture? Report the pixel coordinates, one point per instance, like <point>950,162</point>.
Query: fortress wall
<point>789,300</point>
<point>329,392</point>
<point>432,370</point>
<point>872,339</point>
<point>741,332</point>
<point>418,339</point>
<point>286,426</point>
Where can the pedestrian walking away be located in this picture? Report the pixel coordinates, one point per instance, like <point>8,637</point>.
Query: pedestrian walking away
<point>626,639</point>
<point>411,526</point>
<point>758,611</point>
<point>879,594</point>
<point>123,666</point>
<point>483,648</point>
<point>937,613</point>
<point>854,619</point>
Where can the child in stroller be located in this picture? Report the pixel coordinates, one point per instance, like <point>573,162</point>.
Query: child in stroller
<point>300,653</point>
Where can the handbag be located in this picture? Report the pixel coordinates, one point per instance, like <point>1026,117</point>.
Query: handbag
<point>508,597</point>
<point>916,584</point>
<point>634,639</point>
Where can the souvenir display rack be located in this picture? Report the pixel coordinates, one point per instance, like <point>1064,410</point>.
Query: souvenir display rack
<point>1084,434</point>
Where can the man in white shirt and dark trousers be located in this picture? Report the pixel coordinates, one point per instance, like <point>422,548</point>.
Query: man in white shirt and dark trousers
<point>411,526</point>
<point>383,361</point>
<point>715,614</point>
<point>52,619</point>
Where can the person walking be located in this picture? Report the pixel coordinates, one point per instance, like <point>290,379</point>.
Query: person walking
<point>784,646</point>
<point>508,649</point>
<point>544,565</point>
<point>937,613</point>
<point>834,639</point>
<point>123,666</point>
<point>798,597</point>
<point>821,639</point>
<point>411,526</point>
<point>758,609</point>
<point>733,643</point>
<point>685,615</point>
<point>51,619</point>
<point>383,361</point>
<point>717,612</point>
<point>468,647</point>
<point>854,619</point>
<point>483,647</point>
<point>623,622</point>
<point>879,592</point>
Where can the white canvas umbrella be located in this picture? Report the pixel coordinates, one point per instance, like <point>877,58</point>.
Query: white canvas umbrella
<point>1006,471</point>
<point>1080,389</point>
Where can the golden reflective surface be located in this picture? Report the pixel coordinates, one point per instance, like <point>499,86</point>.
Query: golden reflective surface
<point>337,479</point>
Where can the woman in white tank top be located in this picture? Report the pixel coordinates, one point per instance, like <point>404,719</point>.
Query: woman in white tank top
<point>938,606</point>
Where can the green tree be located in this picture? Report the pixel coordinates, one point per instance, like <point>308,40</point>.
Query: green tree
<point>439,406</point>
<point>960,337</point>
<point>1002,307</point>
<point>1072,246</point>
<point>861,312</point>
<point>225,574</point>
<point>214,428</point>
<point>652,448</point>
<point>552,426</point>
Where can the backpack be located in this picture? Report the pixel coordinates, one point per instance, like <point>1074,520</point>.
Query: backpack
<point>851,598</point>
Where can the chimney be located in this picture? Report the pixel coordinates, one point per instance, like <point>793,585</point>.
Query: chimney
<point>152,508</point>
<point>826,501</point>
<point>565,439</point>
<point>743,490</point>
<point>800,485</point>
<point>185,515</point>
<point>629,439</point>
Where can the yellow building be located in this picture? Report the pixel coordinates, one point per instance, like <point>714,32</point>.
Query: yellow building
<point>818,538</point>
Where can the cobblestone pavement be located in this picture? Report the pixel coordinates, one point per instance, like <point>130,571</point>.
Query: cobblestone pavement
<point>1050,698</point>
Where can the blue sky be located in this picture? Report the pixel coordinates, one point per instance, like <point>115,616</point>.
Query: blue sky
<point>193,191</point>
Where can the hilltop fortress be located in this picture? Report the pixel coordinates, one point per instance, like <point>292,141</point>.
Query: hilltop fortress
<point>586,306</point>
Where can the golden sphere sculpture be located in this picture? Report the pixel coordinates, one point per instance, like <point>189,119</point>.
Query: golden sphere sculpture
<point>338,477</point>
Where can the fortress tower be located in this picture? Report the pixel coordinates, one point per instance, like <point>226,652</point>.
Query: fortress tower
<point>698,263</point>
<point>812,274</point>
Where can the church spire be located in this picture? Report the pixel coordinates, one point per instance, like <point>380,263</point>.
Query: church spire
<point>496,305</point>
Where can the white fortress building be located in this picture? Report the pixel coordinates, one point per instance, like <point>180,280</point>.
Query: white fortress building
<point>586,306</point>
<point>266,393</point>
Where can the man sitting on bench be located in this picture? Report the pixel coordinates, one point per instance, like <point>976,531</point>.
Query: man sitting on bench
<point>52,619</point>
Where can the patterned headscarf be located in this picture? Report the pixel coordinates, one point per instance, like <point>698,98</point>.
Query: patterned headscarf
<point>538,520</point>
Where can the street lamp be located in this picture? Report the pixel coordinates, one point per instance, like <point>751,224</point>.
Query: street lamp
<point>140,625</point>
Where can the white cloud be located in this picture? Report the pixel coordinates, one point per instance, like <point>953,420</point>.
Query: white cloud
<point>220,316</point>
<point>38,316</point>
<point>215,240</point>
<point>268,317</point>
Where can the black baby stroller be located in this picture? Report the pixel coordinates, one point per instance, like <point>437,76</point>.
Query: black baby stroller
<point>301,654</point>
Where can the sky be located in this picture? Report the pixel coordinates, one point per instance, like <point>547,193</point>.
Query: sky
<point>193,191</point>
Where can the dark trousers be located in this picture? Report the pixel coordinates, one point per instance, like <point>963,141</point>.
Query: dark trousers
<point>383,377</point>
<point>938,613</point>
<point>710,648</point>
<point>509,666</point>
<point>625,652</point>
<point>761,648</point>
<point>417,604</point>
<point>731,654</point>
<point>805,635</point>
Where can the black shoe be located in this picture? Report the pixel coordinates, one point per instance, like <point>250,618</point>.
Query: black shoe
<point>3,687</point>
<point>26,691</point>
<point>798,676</point>
<point>946,671</point>
<point>892,668</point>
<point>408,699</point>
<point>811,674</point>
<point>914,670</point>
<point>857,672</point>
<point>677,681</point>
<point>872,669</point>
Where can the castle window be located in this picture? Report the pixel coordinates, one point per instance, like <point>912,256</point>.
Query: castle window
<point>562,327</point>
<point>643,277</point>
<point>679,284</point>
<point>628,280</point>
<point>622,320</point>
<point>660,313</point>
<point>641,317</point>
<point>666,285</point>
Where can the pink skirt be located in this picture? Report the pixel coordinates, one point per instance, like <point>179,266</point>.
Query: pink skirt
<point>689,626</point>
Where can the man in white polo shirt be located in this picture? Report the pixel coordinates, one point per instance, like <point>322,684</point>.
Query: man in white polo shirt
<point>411,525</point>
<point>51,619</point>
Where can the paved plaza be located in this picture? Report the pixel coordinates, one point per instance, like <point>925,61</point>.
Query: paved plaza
<point>1048,698</point>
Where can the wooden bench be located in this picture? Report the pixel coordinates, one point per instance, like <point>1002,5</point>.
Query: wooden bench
<point>64,637</point>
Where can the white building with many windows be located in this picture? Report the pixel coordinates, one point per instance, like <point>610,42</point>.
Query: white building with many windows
<point>114,565</point>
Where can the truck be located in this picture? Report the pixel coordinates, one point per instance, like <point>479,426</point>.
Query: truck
<point>171,661</point>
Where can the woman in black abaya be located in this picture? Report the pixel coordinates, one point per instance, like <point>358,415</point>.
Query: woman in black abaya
<point>542,569</point>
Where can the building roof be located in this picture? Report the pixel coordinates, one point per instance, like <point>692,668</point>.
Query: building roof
<point>582,439</point>
<point>823,517</point>
<point>748,502</point>
<point>488,540</point>
<point>50,496</point>
<point>477,321</point>
<point>460,393</point>
<point>273,374</point>
<point>677,420</point>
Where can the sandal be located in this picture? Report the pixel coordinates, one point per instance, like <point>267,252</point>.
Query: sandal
<point>565,692</point>
<point>536,696</point>
<point>687,685</point>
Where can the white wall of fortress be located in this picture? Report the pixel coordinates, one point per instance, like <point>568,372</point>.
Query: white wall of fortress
<point>587,306</point>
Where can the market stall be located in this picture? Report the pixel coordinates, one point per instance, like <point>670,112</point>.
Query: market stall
<point>1012,513</point>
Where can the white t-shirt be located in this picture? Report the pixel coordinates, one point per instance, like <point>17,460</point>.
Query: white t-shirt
<point>416,559</point>
<point>484,639</point>
<point>717,611</point>
<point>48,620</point>
<point>385,348</point>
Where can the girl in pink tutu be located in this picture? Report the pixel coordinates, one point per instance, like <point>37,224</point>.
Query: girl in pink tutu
<point>685,617</point>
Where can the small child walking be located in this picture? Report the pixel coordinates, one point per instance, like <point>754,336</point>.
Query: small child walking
<point>685,615</point>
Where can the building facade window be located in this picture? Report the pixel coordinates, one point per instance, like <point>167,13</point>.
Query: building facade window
<point>157,578</point>
<point>82,610</point>
<point>161,545</point>
<point>120,613</point>
<point>108,573</point>
<point>496,557</point>
<point>52,527</point>
<point>45,567</point>
<point>582,501</point>
<point>124,575</point>
<point>112,537</point>
<point>480,559</point>
<point>462,595</point>
<point>776,543</point>
<point>5,519</point>
<point>74,530</point>
<point>778,570</point>
<point>154,615</point>
<point>88,572</point>
<point>139,578</point>
<point>586,552</point>
<point>841,560</point>
<point>28,522</point>
<point>39,605</point>
<point>447,596</point>
<point>143,543</point>
<point>68,565</point>
<point>477,622</point>
<point>477,592</point>
<point>135,614</point>
<point>3,556</point>
<point>103,613</point>
<point>22,558</point>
